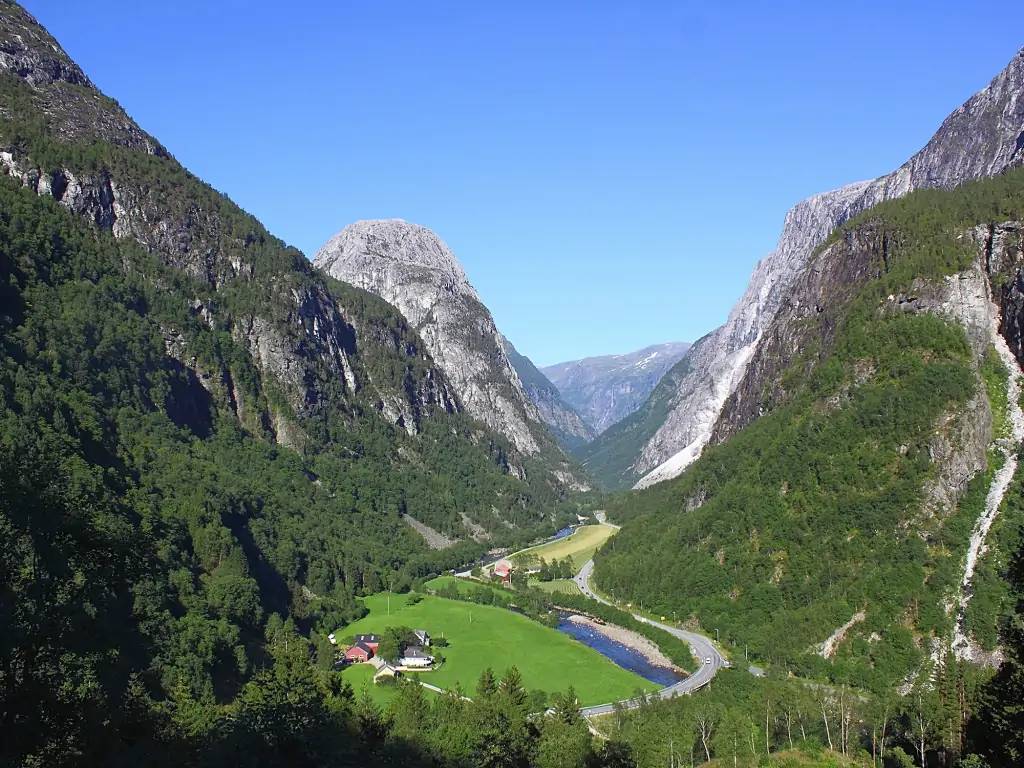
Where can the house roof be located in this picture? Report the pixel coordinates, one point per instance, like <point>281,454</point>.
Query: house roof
<point>367,638</point>
<point>361,647</point>
<point>415,652</point>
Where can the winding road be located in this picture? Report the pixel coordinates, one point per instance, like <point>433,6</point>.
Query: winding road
<point>703,650</point>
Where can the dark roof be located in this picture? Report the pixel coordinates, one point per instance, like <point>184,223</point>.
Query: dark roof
<point>367,638</point>
<point>415,652</point>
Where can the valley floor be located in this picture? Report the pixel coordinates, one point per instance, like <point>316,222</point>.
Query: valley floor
<point>481,637</point>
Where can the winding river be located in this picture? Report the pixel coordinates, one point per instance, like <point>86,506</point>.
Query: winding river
<point>623,656</point>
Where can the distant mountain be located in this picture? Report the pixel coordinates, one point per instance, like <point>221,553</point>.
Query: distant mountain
<point>412,269</point>
<point>566,425</point>
<point>606,389</point>
<point>981,138</point>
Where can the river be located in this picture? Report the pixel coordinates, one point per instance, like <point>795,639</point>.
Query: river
<point>627,658</point>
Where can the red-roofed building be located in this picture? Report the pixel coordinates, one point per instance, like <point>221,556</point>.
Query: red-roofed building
<point>359,653</point>
<point>503,570</point>
<point>370,641</point>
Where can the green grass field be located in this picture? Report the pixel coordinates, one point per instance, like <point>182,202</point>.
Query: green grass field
<point>559,586</point>
<point>580,546</point>
<point>483,636</point>
<point>467,587</point>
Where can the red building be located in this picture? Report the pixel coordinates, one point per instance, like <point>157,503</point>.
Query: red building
<point>503,570</point>
<point>370,641</point>
<point>358,653</point>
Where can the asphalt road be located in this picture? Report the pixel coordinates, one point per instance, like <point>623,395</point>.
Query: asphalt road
<point>703,649</point>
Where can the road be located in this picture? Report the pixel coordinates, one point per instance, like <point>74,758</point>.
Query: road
<point>703,649</point>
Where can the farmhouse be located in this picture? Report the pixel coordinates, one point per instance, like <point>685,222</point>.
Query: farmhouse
<point>359,653</point>
<point>415,656</point>
<point>503,570</point>
<point>422,636</point>
<point>370,641</point>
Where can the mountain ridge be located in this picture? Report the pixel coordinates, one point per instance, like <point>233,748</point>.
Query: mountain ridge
<point>565,423</point>
<point>982,136</point>
<point>605,389</point>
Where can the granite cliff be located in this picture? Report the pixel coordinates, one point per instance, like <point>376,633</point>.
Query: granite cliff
<point>981,138</point>
<point>413,270</point>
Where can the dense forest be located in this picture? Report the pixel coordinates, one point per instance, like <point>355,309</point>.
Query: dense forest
<point>202,440</point>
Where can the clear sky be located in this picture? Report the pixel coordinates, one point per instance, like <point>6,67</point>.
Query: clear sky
<point>607,172</point>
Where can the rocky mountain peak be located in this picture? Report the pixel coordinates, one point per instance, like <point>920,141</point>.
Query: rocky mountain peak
<point>29,52</point>
<point>370,249</point>
<point>412,269</point>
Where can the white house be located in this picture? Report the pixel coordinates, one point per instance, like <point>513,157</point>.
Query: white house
<point>422,636</point>
<point>415,656</point>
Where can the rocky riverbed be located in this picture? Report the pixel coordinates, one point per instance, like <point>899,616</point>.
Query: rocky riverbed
<point>630,639</point>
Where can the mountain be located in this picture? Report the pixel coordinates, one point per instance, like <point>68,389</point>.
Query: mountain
<point>855,528</point>
<point>979,139</point>
<point>608,388</point>
<point>565,424</point>
<point>413,270</point>
<point>208,450</point>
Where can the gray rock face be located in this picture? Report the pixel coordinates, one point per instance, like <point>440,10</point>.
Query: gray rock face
<point>608,388</point>
<point>981,138</point>
<point>565,424</point>
<point>320,352</point>
<point>412,269</point>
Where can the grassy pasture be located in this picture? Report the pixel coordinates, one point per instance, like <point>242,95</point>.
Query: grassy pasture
<point>482,636</point>
<point>580,546</point>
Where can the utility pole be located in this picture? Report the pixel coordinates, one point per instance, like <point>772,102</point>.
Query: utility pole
<point>717,638</point>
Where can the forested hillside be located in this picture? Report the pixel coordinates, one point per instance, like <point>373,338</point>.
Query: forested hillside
<point>206,447</point>
<point>858,489</point>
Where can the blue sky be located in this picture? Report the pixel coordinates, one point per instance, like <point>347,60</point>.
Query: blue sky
<point>607,172</point>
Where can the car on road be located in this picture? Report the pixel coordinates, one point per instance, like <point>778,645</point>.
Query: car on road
<point>707,659</point>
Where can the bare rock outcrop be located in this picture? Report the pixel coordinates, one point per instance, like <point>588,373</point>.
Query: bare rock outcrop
<point>412,269</point>
<point>720,392</point>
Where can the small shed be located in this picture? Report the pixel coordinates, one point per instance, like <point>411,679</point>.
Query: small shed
<point>385,671</point>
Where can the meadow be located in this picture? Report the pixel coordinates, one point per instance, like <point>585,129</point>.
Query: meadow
<point>580,546</point>
<point>483,636</point>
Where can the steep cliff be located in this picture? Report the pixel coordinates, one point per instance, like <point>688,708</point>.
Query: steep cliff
<point>608,388</point>
<point>413,270</point>
<point>565,424</point>
<point>981,138</point>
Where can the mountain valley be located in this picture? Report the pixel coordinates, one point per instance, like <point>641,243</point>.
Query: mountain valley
<point>269,509</point>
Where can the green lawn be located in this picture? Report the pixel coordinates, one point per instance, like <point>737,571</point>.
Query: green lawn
<point>483,636</point>
<point>580,546</point>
